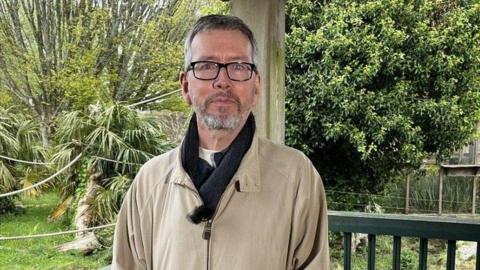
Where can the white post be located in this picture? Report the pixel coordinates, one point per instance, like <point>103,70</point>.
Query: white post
<point>474,193</point>
<point>441,175</point>
<point>267,20</point>
<point>407,194</point>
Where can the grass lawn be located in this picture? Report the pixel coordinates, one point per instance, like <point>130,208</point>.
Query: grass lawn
<point>40,253</point>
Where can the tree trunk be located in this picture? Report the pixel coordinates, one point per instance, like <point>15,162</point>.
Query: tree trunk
<point>85,242</point>
<point>45,133</point>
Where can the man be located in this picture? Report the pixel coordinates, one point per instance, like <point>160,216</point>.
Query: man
<point>225,199</point>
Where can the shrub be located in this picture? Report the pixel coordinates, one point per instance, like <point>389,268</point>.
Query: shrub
<point>6,206</point>
<point>376,86</point>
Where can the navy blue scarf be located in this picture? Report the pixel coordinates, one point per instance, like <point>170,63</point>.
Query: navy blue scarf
<point>212,186</point>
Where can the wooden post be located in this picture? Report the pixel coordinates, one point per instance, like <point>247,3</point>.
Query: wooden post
<point>475,147</point>
<point>267,20</point>
<point>474,195</point>
<point>407,195</point>
<point>441,174</point>
<point>475,179</point>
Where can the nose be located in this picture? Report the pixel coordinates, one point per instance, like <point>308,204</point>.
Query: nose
<point>222,81</point>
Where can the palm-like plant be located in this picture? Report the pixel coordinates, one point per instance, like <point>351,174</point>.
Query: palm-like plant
<point>114,141</point>
<point>30,149</point>
<point>19,139</point>
<point>8,147</point>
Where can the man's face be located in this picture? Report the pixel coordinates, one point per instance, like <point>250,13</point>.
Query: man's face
<point>221,103</point>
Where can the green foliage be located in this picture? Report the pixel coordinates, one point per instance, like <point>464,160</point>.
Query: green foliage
<point>409,259</point>
<point>173,103</point>
<point>423,198</point>
<point>8,142</point>
<point>5,98</point>
<point>65,55</point>
<point>8,145</point>
<point>215,7</point>
<point>19,139</point>
<point>77,81</point>
<point>6,206</point>
<point>115,141</point>
<point>376,86</point>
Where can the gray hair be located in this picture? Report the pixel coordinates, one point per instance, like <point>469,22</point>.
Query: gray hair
<point>219,22</point>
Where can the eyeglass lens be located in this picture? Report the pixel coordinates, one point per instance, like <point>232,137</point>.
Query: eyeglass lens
<point>210,70</point>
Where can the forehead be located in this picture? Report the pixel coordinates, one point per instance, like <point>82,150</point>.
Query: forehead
<point>221,45</point>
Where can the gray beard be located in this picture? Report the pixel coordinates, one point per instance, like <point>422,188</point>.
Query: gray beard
<point>213,122</point>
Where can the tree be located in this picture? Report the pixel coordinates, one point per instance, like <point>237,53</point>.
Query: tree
<point>60,55</point>
<point>376,86</point>
<point>115,140</point>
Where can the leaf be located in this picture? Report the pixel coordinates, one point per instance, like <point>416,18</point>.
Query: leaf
<point>61,209</point>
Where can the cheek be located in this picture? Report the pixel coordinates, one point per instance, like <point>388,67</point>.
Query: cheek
<point>194,93</point>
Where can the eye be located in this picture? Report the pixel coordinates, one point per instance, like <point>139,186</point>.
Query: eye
<point>240,67</point>
<point>205,66</point>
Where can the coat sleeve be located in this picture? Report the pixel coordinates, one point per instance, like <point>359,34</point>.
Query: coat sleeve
<point>128,248</point>
<point>310,222</point>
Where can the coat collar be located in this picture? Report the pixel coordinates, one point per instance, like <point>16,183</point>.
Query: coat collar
<point>247,178</point>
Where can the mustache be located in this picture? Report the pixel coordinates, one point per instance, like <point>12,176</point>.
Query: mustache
<point>226,95</point>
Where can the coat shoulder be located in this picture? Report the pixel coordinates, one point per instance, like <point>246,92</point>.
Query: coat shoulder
<point>155,173</point>
<point>287,161</point>
<point>276,152</point>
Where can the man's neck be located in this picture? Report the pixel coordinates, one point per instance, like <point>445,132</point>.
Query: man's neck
<point>216,140</point>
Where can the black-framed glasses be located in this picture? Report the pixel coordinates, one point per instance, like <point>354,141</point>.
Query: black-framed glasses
<point>209,70</point>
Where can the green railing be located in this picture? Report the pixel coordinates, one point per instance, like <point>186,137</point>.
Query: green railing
<point>398,226</point>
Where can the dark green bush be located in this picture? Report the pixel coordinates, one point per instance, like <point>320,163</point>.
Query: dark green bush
<point>6,206</point>
<point>377,86</point>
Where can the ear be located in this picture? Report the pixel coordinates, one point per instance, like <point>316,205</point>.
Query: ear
<point>256,93</point>
<point>184,84</point>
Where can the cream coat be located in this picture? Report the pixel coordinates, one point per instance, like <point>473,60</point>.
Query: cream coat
<point>272,215</point>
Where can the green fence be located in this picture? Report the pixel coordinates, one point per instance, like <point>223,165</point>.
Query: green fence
<point>398,226</point>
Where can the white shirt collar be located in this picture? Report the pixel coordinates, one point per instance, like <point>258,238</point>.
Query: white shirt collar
<point>207,155</point>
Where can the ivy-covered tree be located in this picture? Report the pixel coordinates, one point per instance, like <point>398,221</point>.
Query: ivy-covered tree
<point>376,86</point>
